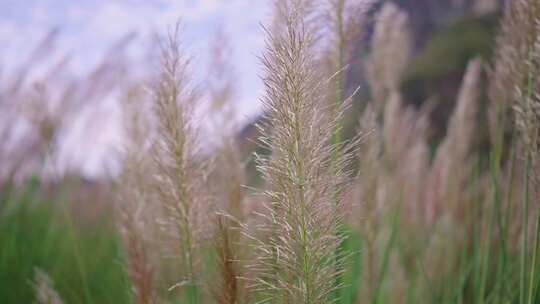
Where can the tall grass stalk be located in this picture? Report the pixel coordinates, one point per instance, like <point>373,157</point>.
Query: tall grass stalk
<point>501,214</point>
<point>525,227</point>
<point>527,120</point>
<point>340,16</point>
<point>77,252</point>
<point>532,276</point>
<point>297,262</point>
<point>386,258</point>
<point>180,173</point>
<point>512,87</point>
<point>134,212</point>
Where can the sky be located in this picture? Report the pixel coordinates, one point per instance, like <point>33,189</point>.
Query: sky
<point>88,27</point>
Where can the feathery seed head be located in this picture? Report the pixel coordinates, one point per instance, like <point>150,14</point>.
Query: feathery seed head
<point>297,258</point>
<point>391,49</point>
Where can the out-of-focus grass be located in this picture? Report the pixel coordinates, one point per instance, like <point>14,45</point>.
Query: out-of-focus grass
<point>350,279</point>
<point>83,261</point>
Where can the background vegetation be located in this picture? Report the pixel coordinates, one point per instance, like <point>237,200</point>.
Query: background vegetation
<point>391,164</point>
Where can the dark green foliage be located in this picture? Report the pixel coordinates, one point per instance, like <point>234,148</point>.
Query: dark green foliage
<point>350,279</point>
<point>450,49</point>
<point>83,261</point>
<point>437,69</point>
<point>435,73</point>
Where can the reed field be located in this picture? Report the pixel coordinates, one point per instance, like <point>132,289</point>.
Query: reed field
<point>381,170</point>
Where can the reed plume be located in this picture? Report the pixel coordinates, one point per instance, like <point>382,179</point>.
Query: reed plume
<point>483,7</point>
<point>452,164</point>
<point>296,260</point>
<point>180,174</point>
<point>396,203</point>
<point>43,286</point>
<point>134,208</point>
<point>306,8</point>
<point>516,64</point>
<point>391,39</point>
<point>404,129</point>
<point>514,90</point>
<point>367,198</point>
<point>389,154</point>
<point>462,124</point>
<point>525,84</point>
